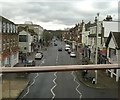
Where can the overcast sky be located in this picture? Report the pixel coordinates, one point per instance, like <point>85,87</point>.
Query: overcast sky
<point>57,14</point>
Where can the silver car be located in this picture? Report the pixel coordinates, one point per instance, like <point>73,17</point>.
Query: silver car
<point>38,56</point>
<point>72,54</point>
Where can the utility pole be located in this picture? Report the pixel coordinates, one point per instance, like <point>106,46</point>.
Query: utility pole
<point>96,55</point>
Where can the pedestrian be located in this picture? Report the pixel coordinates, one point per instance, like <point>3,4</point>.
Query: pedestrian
<point>89,53</point>
<point>22,58</point>
<point>93,81</point>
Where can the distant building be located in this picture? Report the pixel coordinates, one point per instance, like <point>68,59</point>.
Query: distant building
<point>27,37</point>
<point>37,29</point>
<point>8,43</point>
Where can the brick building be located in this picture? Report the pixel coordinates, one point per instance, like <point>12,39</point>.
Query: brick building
<point>8,43</point>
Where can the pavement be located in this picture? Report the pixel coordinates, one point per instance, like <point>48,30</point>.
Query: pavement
<point>14,84</point>
<point>103,80</point>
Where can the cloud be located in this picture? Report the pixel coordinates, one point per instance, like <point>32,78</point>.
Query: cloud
<point>57,13</point>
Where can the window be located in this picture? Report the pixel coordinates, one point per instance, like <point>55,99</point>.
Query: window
<point>0,27</point>
<point>4,27</point>
<point>4,44</point>
<point>14,29</point>
<point>23,38</point>
<point>8,43</point>
<point>11,29</point>
<point>8,28</point>
<point>112,52</point>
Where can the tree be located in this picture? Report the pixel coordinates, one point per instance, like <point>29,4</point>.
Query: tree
<point>47,37</point>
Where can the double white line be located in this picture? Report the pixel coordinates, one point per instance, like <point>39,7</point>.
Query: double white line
<point>54,81</point>
<point>77,86</point>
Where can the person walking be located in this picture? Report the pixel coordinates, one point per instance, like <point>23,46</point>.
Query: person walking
<point>22,58</point>
<point>89,53</point>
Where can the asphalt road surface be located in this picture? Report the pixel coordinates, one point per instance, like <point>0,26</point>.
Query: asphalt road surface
<point>60,84</point>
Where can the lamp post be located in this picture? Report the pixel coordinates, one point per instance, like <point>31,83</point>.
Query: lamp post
<point>78,40</point>
<point>96,55</point>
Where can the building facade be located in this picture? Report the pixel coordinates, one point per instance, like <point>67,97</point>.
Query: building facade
<point>27,37</point>
<point>8,43</point>
<point>36,28</point>
<point>108,27</point>
<point>113,53</point>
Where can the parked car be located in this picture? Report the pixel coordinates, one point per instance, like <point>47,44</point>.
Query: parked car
<point>38,55</point>
<point>60,49</point>
<point>29,63</point>
<point>55,44</point>
<point>67,48</point>
<point>69,51</point>
<point>72,54</point>
<point>67,45</point>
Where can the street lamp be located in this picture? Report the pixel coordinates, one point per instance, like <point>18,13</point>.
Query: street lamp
<point>96,55</point>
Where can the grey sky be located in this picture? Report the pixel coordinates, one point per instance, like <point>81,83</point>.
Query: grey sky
<point>57,14</point>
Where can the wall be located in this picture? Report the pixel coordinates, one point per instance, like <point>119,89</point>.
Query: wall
<point>38,29</point>
<point>14,59</point>
<point>0,50</point>
<point>0,63</point>
<point>85,37</point>
<point>112,45</point>
<point>119,62</point>
<point>110,26</point>
<point>22,45</point>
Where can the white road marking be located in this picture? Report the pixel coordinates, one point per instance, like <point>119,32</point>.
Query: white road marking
<point>78,85</point>
<point>43,61</point>
<point>54,86</point>
<point>55,74</point>
<point>28,88</point>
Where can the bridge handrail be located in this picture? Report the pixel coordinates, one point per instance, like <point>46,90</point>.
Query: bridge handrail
<point>58,68</point>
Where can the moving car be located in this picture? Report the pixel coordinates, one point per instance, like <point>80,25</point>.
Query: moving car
<point>29,63</point>
<point>72,54</point>
<point>60,49</point>
<point>38,56</point>
<point>55,44</point>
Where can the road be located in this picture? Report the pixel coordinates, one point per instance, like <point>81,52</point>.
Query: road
<point>60,84</point>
